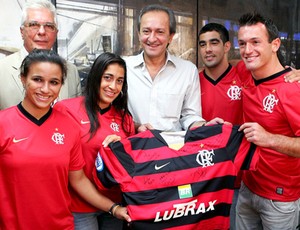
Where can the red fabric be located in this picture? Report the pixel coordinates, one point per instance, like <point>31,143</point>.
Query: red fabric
<point>90,147</point>
<point>274,104</point>
<point>152,176</point>
<point>35,163</point>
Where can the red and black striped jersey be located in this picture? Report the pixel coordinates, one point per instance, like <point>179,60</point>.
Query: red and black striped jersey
<point>186,188</point>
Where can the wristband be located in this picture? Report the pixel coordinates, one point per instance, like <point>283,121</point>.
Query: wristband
<point>115,209</point>
<point>112,208</point>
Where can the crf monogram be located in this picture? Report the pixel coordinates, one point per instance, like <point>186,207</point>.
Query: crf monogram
<point>204,158</point>
<point>58,138</point>
<point>234,92</point>
<point>269,102</point>
<point>114,126</point>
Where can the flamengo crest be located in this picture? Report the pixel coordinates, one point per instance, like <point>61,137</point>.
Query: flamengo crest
<point>234,92</point>
<point>269,102</point>
<point>205,158</point>
<point>115,127</point>
<point>58,138</point>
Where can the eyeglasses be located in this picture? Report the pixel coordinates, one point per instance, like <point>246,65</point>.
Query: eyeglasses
<point>35,26</point>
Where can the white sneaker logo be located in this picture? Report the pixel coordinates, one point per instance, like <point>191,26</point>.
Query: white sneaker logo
<point>19,140</point>
<point>84,122</point>
<point>161,166</point>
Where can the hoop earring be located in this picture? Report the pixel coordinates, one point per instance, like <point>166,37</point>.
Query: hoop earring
<point>121,93</point>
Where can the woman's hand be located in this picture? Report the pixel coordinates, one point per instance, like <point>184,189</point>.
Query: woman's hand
<point>215,121</point>
<point>144,127</point>
<point>110,138</point>
<point>121,213</point>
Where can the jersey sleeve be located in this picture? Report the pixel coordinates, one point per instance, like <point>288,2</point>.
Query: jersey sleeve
<point>289,100</point>
<point>102,177</point>
<point>244,154</point>
<point>113,166</point>
<point>76,159</point>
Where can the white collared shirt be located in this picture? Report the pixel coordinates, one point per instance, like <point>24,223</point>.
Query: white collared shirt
<point>170,102</point>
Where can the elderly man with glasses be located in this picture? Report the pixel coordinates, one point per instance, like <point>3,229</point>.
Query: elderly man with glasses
<point>39,30</point>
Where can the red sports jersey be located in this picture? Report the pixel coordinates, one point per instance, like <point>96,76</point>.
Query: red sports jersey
<point>188,188</point>
<point>222,98</point>
<point>243,72</point>
<point>110,123</point>
<point>36,157</point>
<point>274,104</point>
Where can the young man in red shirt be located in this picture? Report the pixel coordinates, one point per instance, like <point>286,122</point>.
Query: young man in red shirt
<point>269,196</point>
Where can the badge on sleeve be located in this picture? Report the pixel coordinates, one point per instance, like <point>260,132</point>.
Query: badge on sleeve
<point>99,163</point>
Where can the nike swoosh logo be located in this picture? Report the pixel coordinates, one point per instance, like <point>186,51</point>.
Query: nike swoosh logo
<point>84,122</point>
<point>160,167</point>
<point>19,140</point>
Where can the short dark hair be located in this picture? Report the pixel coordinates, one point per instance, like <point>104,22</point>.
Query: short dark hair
<point>224,35</point>
<point>92,90</point>
<point>42,55</point>
<point>156,7</point>
<point>253,18</point>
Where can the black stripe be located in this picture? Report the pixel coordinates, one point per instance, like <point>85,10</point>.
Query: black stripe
<point>203,132</point>
<point>178,163</point>
<point>247,161</point>
<point>171,193</point>
<point>124,158</point>
<point>106,178</point>
<point>148,143</point>
<point>234,141</point>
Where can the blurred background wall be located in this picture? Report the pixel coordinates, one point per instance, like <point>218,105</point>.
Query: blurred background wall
<point>89,27</point>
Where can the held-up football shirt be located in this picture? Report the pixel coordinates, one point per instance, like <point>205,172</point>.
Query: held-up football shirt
<point>190,187</point>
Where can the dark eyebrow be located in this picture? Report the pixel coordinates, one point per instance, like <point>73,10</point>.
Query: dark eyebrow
<point>211,40</point>
<point>215,40</point>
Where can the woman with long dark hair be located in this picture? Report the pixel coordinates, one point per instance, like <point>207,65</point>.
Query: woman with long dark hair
<point>103,117</point>
<point>41,153</point>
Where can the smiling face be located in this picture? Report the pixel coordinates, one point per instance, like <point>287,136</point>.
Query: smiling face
<point>42,85</point>
<point>40,39</point>
<point>255,48</point>
<point>212,49</point>
<point>111,84</point>
<point>154,34</point>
